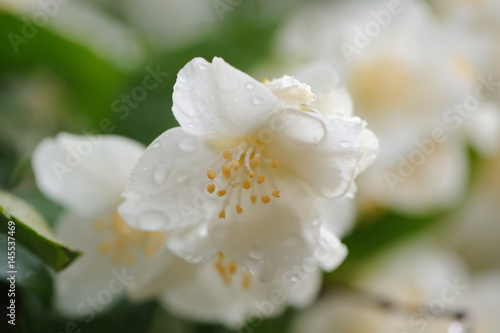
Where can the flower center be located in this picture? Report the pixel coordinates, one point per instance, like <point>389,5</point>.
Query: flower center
<point>227,269</point>
<point>124,243</point>
<point>380,84</point>
<point>243,169</point>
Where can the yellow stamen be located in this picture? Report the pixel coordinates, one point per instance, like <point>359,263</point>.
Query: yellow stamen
<point>253,198</point>
<point>247,279</point>
<point>251,174</point>
<point>105,247</point>
<point>265,199</point>
<point>256,160</point>
<point>222,214</point>
<point>232,267</point>
<point>275,163</point>
<point>261,179</point>
<point>211,188</point>
<point>211,174</point>
<point>99,225</point>
<point>246,184</point>
<point>227,154</point>
<point>235,164</point>
<point>221,193</point>
<point>239,210</point>
<point>276,194</point>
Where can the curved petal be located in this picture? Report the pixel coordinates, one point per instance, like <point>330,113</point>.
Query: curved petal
<point>86,174</point>
<point>331,98</point>
<point>166,189</point>
<point>339,215</point>
<point>320,151</point>
<point>218,99</point>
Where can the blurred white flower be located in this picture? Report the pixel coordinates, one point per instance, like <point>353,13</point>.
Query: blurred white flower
<point>86,175</point>
<point>404,71</point>
<point>472,231</point>
<point>409,277</point>
<point>249,172</point>
<point>84,23</point>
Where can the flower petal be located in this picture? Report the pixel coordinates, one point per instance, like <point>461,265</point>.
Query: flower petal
<point>88,275</point>
<point>216,98</point>
<point>331,98</point>
<point>270,239</point>
<point>165,190</point>
<point>320,151</point>
<point>86,174</point>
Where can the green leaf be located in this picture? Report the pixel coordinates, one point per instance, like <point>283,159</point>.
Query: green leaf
<point>32,231</point>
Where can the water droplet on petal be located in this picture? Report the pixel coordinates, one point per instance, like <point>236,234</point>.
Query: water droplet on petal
<point>250,86</point>
<point>146,169</point>
<point>156,144</point>
<point>153,221</point>
<point>257,101</point>
<point>160,173</point>
<point>182,79</point>
<point>202,67</point>
<point>188,144</point>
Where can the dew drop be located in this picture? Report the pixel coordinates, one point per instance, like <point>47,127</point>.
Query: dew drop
<point>202,67</point>
<point>257,101</point>
<point>153,221</point>
<point>188,145</point>
<point>146,169</point>
<point>160,173</point>
<point>250,86</point>
<point>156,144</point>
<point>182,79</point>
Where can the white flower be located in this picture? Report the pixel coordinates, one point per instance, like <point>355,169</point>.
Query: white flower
<point>243,173</point>
<point>223,291</point>
<point>86,175</point>
<point>410,277</point>
<point>402,86</point>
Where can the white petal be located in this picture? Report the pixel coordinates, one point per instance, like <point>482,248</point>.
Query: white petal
<point>203,296</point>
<point>339,215</point>
<point>331,98</point>
<point>218,99</point>
<point>86,174</point>
<point>88,276</point>
<point>166,189</point>
<point>330,252</point>
<point>270,239</point>
<point>320,151</point>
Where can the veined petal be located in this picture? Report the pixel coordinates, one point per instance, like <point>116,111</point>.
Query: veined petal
<point>86,174</point>
<point>218,99</point>
<point>320,151</point>
<point>165,190</point>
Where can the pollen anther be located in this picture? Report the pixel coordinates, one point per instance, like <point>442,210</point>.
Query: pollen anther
<point>275,163</point>
<point>211,174</point>
<point>265,199</point>
<point>211,188</point>
<point>246,184</point>
<point>221,193</point>
<point>239,210</point>
<point>261,179</point>
<point>276,194</point>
